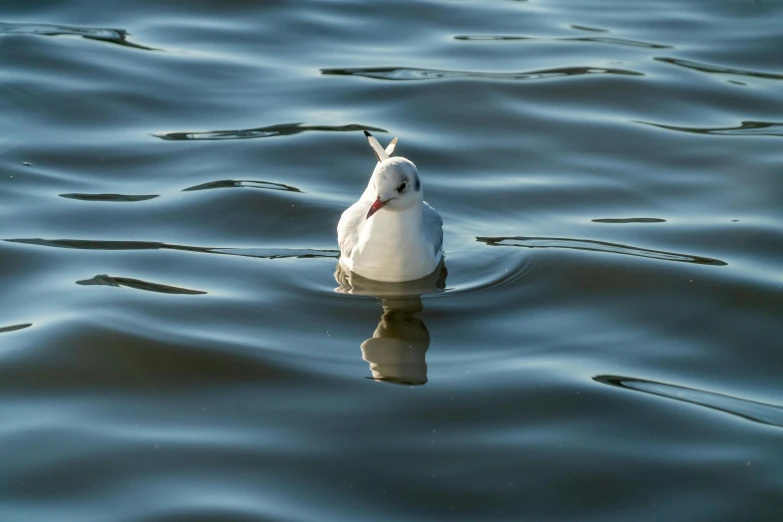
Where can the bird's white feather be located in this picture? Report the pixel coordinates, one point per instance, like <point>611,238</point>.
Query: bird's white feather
<point>432,227</point>
<point>403,240</point>
<point>390,147</point>
<point>379,151</point>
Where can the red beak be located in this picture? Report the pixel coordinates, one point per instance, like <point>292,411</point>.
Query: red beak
<point>375,207</point>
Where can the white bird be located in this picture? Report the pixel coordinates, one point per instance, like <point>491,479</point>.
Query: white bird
<point>391,234</point>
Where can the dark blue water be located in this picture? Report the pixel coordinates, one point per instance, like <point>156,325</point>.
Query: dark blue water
<point>175,344</point>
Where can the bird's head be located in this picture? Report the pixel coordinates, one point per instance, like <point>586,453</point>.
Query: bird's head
<point>397,186</point>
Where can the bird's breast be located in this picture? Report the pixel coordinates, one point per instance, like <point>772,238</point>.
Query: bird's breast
<point>392,247</point>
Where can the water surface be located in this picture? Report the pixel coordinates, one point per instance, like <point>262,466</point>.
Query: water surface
<point>605,343</point>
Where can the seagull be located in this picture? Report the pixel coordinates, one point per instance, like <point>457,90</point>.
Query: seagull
<point>391,234</point>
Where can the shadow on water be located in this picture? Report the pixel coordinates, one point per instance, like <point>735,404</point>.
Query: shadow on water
<point>245,183</point>
<point>597,246</point>
<point>396,351</point>
<point>751,410</point>
<point>412,73</point>
<point>138,284</point>
<point>746,128</point>
<point>113,36</point>
<point>282,129</point>
<point>125,198</point>
<point>263,253</point>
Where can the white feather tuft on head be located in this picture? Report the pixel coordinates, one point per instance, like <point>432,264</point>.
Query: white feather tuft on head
<point>390,148</point>
<point>379,151</point>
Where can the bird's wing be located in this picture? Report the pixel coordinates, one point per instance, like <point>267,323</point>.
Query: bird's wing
<point>432,226</point>
<point>348,227</point>
<point>391,146</point>
<point>379,151</point>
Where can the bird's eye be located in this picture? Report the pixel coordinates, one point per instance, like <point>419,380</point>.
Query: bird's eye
<point>402,187</point>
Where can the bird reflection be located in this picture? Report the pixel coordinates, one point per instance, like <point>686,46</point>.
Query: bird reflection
<point>396,351</point>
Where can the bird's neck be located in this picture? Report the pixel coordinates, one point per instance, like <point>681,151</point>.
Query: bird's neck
<point>396,222</point>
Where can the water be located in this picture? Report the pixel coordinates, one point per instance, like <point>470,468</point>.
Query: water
<point>605,346</point>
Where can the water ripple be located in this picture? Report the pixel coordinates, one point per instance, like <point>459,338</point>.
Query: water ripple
<point>350,283</point>
<point>249,183</point>
<point>597,246</point>
<point>751,410</point>
<point>262,253</point>
<point>276,253</point>
<point>629,220</point>
<point>109,197</point>
<point>412,73</point>
<point>138,284</point>
<point>587,28</point>
<point>113,36</point>
<point>282,129</point>
<point>512,273</point>
<point>15,327</point>
<point>708,68</point>
<point>746,128</point>
<point>593,39</point>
